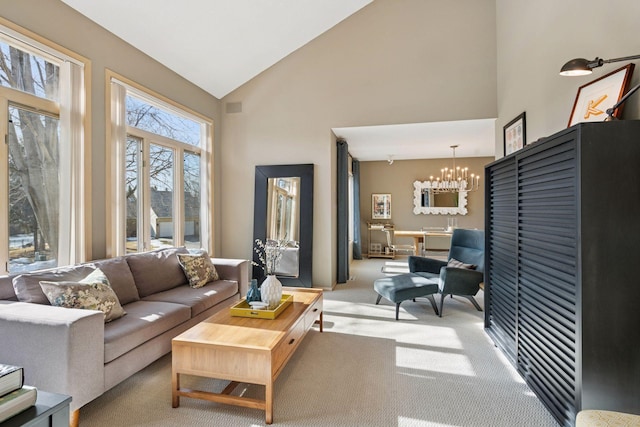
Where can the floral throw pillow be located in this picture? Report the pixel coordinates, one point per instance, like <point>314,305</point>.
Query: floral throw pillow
<point>91,293</point>
<point>198,268</point>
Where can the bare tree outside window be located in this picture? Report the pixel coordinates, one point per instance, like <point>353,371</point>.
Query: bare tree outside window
<point>161,169</point>
<point>192,200</point>
<point>145,116</point>
<point>33,161</point>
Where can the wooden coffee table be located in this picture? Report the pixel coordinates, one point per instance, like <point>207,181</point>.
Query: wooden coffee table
<point>243,350</point>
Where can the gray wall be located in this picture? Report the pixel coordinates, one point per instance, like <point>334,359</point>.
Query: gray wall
<point>57,22</point>
<point>394,61</point>
<point>397,179</point>
<point>534,40</point>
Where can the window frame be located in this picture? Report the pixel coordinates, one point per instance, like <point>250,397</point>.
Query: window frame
<point>117,87</point>
<point>72,111</point>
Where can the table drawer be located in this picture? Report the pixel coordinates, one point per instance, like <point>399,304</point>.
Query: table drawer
<point>290,342</point>
<point>313,314</point>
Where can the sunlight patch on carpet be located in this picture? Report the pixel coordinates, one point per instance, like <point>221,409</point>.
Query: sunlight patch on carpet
<point>434,361</point>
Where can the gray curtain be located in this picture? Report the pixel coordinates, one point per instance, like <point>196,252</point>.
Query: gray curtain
<point>357,239</point>
<point>343,211</point>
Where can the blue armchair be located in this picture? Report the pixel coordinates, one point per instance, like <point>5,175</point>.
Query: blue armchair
<point>467,246</point>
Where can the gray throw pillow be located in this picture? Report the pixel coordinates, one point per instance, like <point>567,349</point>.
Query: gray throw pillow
<point>120,277</point>
<point>157,271</point>
<point>27,286</point>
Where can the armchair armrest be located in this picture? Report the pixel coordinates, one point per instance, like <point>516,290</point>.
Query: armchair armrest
<point>422,264</point>
<point>460,281</point>
<point>60,349</point>
<point>233,269</point>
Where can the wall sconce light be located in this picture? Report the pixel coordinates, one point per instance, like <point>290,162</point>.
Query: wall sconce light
<point>582,67</point>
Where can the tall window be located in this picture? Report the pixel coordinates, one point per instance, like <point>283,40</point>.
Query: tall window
<point>161,153</point>
<point>41,100</point>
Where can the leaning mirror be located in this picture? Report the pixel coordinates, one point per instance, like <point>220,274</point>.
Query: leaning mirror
<point>283,211</point>
<point>428,201</point>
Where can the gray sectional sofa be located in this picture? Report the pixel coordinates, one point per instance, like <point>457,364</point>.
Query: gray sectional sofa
<point>74,352</point>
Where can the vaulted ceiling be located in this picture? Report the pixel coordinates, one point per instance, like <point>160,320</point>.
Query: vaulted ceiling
<point>221,44</point>
<point>217,44</point>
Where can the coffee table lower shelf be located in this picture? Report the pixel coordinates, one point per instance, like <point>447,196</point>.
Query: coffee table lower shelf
<point>217,348</point>
<point>223,397</point>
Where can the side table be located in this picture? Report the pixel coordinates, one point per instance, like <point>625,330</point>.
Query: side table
<point>50,410</point>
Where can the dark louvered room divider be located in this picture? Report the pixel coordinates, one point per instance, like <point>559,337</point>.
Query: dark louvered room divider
<point>503,223</point>
<point>563,266</point>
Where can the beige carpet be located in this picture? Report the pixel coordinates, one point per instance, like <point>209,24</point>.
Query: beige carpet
<point>366,369</point>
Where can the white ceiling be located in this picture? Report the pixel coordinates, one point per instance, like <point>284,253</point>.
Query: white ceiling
<point>217,44</point>
<point>475,138</point>
<point>221,44</point>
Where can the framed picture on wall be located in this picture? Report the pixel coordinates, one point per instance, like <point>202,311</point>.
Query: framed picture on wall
<point>594,98</point>
<point>515,134</point>
<point>381,206</point>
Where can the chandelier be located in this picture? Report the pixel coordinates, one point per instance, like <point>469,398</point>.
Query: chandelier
<point>455,179</point>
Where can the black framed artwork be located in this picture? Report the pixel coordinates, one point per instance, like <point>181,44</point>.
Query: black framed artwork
<point>515,134</point>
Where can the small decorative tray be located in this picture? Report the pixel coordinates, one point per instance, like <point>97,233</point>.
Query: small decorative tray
<point>243,309</point>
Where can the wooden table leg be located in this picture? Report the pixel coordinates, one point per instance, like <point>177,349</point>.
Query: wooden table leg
<point>416,246</point>
<point>74,418</point>
<point>268,397</point>
<point>175,386</point>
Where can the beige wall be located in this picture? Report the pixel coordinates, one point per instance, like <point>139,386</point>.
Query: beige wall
<point>55,21</point>
<point>395,61</point>
<point>397,179</point>
<point>534,40</point>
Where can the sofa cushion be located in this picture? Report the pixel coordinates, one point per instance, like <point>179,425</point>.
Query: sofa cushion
<point>120,277</point>
<point>27,286</point>
<point>198,299</point>
<point>6,289</point>
<point>198,268</point>
<point>91,293</point>
<point>157,271</point>
<point>144,320</point>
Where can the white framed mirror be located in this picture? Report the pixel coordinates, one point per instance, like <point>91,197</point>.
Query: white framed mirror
<point>429,202</point>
